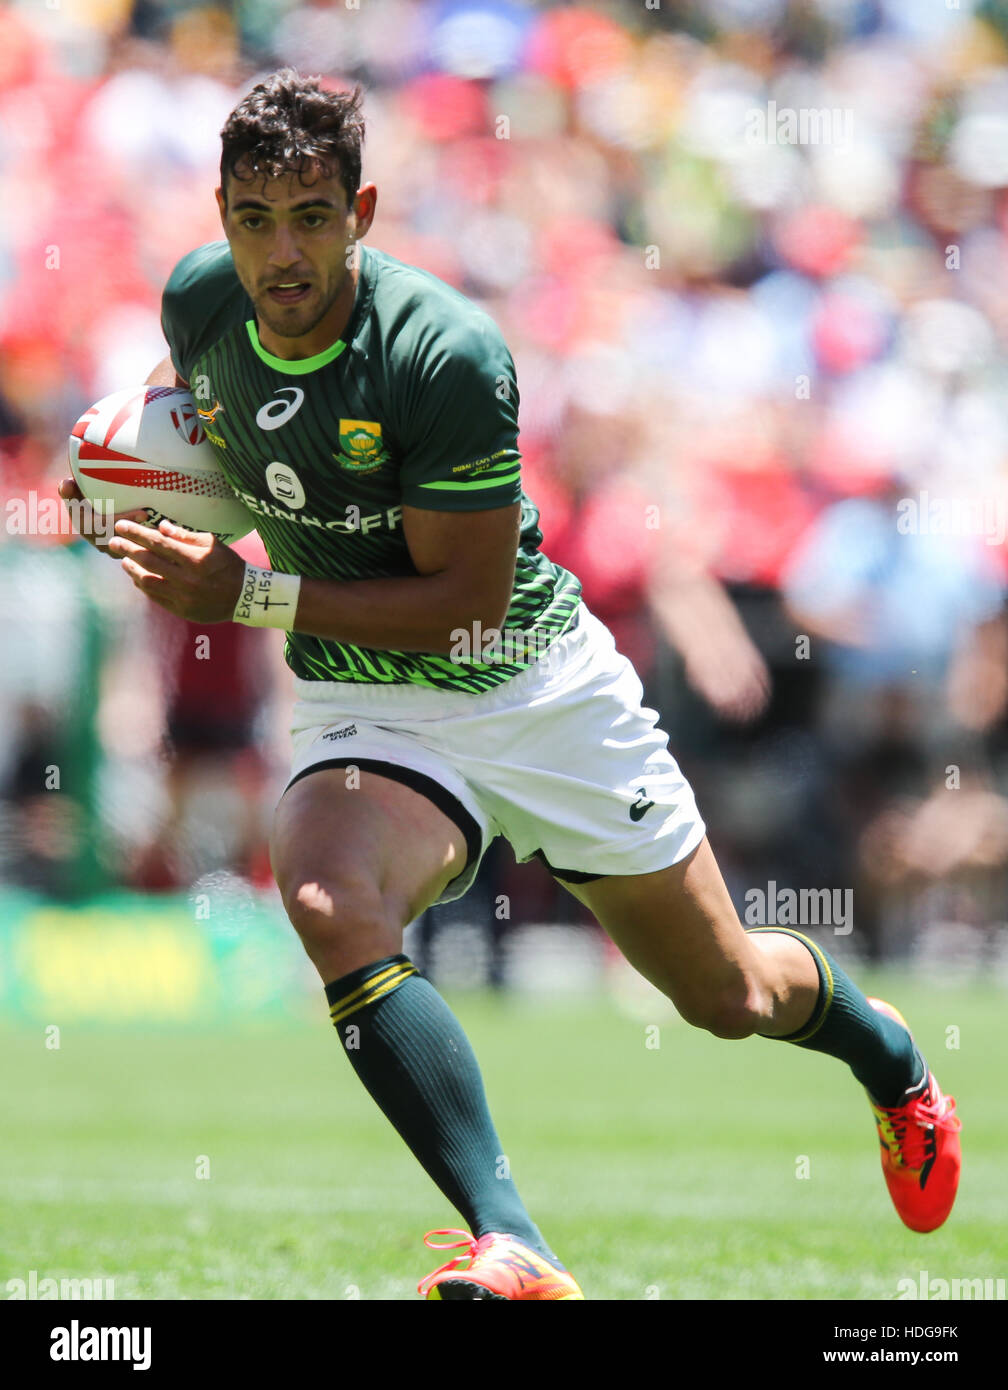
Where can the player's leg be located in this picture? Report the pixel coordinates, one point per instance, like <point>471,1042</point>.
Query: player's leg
<point>679,928</point>
<point>355,864</point>
<point>357,857</point>
<point>590,786</point>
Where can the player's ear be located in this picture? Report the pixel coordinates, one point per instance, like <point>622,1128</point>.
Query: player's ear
<point>221,204</point>
<point>363,209</point>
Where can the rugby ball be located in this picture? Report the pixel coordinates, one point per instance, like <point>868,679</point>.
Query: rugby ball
<point>144,447</point>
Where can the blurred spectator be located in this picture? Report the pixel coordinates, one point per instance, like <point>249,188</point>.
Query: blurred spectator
<point>217,681</point>
<point>911,623</point>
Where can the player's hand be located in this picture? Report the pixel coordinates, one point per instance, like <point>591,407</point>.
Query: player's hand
<point>190,573</point>
<point>98,529</point>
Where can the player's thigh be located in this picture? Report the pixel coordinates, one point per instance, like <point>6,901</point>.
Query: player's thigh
<point>679,928</point>
<point>357,859</point>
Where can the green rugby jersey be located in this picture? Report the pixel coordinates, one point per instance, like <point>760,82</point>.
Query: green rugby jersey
<point>417,404</point>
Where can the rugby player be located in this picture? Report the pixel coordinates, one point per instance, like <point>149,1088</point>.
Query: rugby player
<point>368,415</point>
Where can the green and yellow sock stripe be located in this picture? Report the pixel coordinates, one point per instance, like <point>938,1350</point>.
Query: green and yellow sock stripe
<point>376,988</point>
<point>826,985</point>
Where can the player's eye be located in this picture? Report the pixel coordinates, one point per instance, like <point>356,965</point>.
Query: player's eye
<point>313,220</point>
<point>252,223</point>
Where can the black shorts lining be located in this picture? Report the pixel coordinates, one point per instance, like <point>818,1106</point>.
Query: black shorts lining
<point>568,875</point>
<point>443,799</point>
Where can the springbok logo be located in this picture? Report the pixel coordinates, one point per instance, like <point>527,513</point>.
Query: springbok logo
<point>207,417</point>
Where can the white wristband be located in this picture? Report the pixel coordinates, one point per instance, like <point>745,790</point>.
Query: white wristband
<point>268,598</point>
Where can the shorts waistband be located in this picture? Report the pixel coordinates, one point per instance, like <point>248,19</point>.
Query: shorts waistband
<point>432,702</point>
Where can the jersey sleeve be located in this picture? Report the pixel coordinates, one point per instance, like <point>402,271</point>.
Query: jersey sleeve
<point>460,441</point>
<point>202,300</point>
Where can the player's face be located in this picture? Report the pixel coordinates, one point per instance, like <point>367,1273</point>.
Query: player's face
<point>292,242</point>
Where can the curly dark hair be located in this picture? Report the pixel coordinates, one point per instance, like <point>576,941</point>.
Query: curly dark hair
<point>288,123</point>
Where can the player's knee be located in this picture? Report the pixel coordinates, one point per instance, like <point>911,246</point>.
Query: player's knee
<point>732,1011</point>
<point>337,913</point>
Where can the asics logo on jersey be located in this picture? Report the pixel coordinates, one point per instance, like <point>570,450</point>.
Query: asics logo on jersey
<point>277,412</point>
<point>639,807</point>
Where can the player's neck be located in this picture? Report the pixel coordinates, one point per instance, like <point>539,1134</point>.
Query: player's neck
<point>327,331</point>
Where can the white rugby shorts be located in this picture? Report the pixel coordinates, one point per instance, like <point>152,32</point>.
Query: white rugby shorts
<point>562,759</point>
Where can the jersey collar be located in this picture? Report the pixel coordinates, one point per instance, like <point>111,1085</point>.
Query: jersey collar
<point>301,366</point>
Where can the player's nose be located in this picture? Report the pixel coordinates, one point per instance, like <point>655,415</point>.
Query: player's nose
<point>284,250</point>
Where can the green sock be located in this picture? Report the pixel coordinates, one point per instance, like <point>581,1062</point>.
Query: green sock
<point>879,1051</point>
<point>409,1050</point>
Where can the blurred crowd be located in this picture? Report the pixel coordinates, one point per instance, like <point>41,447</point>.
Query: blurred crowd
<point>751,258</point>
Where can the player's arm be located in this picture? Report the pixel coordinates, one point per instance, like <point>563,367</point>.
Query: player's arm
<point>461,513</point>
<point>465,564</point>
<point>164,374</point>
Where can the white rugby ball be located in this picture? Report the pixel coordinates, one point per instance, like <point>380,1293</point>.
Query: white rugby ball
<point>144,447</point>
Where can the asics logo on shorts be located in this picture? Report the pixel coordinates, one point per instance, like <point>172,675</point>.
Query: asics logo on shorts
<point>639,807</point>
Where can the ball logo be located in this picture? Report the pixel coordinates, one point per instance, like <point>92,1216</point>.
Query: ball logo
<point>285,485</point>
<point>187,423</point>
<point>277,412</point>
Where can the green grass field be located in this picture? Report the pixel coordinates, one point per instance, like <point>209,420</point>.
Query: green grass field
<point>656,1173</point>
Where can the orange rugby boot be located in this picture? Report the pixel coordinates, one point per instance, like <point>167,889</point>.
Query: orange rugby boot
<point>921,1151</point>
<point>495,1266</point>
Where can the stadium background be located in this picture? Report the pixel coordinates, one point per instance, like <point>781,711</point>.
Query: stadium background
<point>740,354</point>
